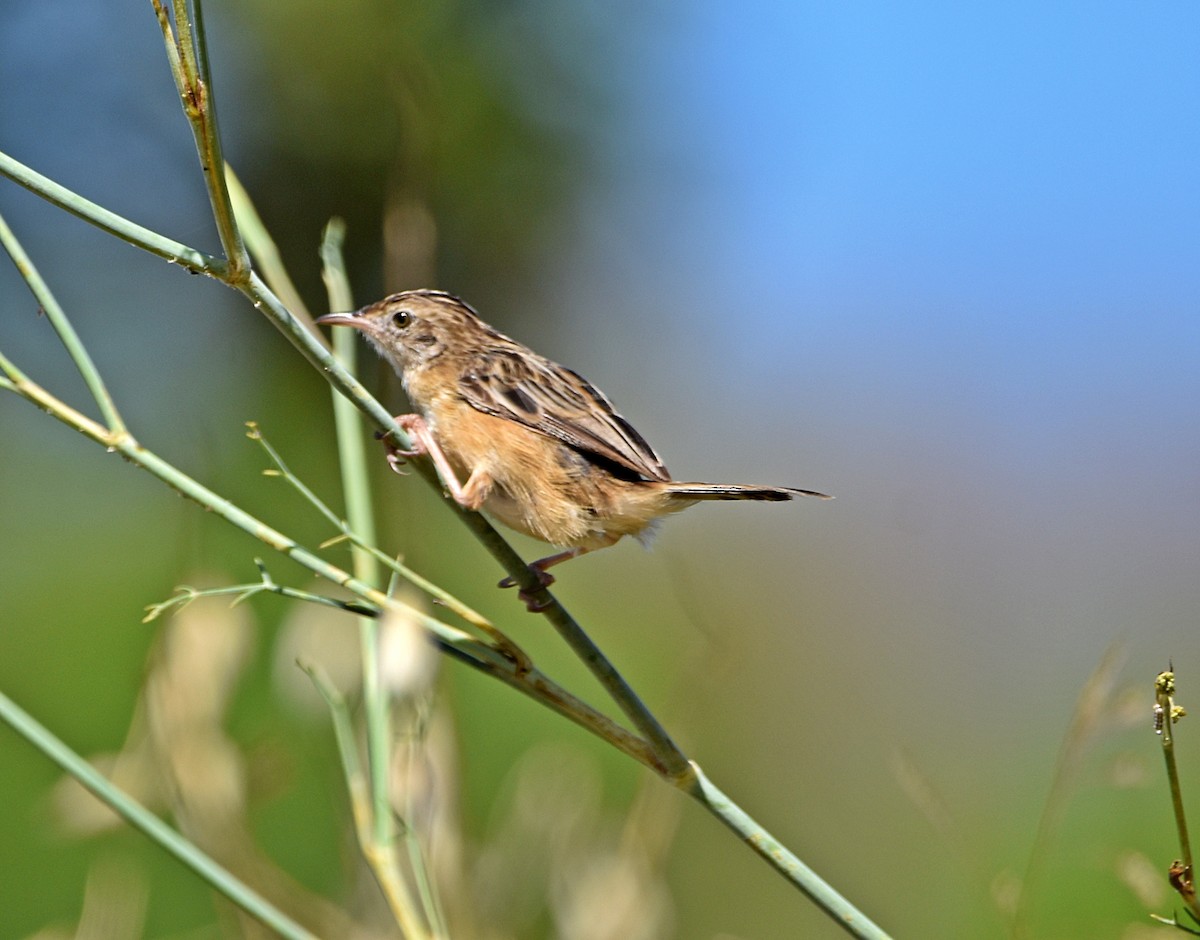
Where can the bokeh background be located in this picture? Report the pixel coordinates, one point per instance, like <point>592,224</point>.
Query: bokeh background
<point>939,260</point>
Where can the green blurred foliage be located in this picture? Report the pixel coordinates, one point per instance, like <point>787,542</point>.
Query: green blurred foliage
<point>473,112</point>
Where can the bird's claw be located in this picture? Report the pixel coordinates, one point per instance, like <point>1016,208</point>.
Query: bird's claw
<point>397,455</point>
<point>533,603</point>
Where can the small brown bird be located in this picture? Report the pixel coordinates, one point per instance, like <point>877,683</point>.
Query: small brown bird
<point>525,439</point>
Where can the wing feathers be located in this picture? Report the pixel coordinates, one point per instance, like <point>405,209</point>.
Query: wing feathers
<point>559,403</point>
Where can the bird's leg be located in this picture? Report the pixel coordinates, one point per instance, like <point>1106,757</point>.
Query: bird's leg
<point>396,454</point>
<point>469,495</point>
<point>544,577</point>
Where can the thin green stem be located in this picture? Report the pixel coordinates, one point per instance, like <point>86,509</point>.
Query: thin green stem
<point>141,818</point>
<point>263,249</point>
<point>452,603</point>
<point>1164,693</point>
<point>185,594</point>
<point>669,754</point>
<point>1182,872</point>
<point>847,916</point>
<point>213,157</point>
<point>391,881</point>
<point>105,220</point>
<point>188,49</point>
<point>174,59</point>
<point>62,326</point>
<point>19,382</point>
<point>184,42</point>
<point>426,888</point>
<point>360,516</point>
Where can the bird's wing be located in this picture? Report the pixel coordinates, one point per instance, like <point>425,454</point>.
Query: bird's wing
<point>551,399</point>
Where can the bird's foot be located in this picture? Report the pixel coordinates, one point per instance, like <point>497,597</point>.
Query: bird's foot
<point>534,599</point>
<point>414,426</point>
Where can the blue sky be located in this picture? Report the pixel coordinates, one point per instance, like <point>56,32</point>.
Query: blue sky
<point>991,199</point>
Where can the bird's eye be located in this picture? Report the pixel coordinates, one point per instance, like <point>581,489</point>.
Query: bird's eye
<point>401,319</point>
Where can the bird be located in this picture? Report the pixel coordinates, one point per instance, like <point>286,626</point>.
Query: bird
<point>525,439</point>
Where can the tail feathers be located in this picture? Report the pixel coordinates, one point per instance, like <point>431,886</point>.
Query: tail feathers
<point>739,491</point>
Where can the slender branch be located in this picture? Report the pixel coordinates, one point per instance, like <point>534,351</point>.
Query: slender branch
<point>64,329</point>
<point>185,594</point>
<point>360,516</point>
<point>380,855</point>
<point>187,50</point>
<point>444,597</point>
<point>1167,714</point>
<point>17,381</point>
<point>108,221</point>
<point>1181,874</point>
<point>671,757</point>
<point>142,819</point>
<point>263,249</point>
<point>174,49</point>
<point>847,916</point>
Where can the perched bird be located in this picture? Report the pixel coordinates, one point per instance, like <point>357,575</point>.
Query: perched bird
<point>521,437</point>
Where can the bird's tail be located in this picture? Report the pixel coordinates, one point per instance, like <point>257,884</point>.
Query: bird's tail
<point>738,491</point>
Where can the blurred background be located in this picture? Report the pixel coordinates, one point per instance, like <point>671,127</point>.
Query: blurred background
<point>940,261</point>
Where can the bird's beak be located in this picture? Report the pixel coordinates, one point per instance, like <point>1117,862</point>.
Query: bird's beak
<point>342,319</point>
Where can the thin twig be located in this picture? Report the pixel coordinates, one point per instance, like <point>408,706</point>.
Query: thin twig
<point>444,597</point>
<point>263,249</point>
<point>142,819</point>
<point>1181,874</point>
<point>185,594</point>
<point>187,50</point>
<point>380,849</point>
<point>381,858</point>
<point>106,220</point>
<point>64,329</point>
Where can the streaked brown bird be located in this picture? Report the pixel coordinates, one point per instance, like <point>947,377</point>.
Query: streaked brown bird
<point>523,438</point>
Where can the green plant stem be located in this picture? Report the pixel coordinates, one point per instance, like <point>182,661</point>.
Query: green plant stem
<point>62,326</point>
<point>1182,873</point>
<point>845,914</point>
<point>359,515</point>
<point>172,251</point>
<point>263,249</point>
<point>670,757</point>
<point>187,52</point>
<point>242,592</point>
<point>141,818</point>
<point>1165,700</point>
<point>379,855</point>
<point>452,603</point>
